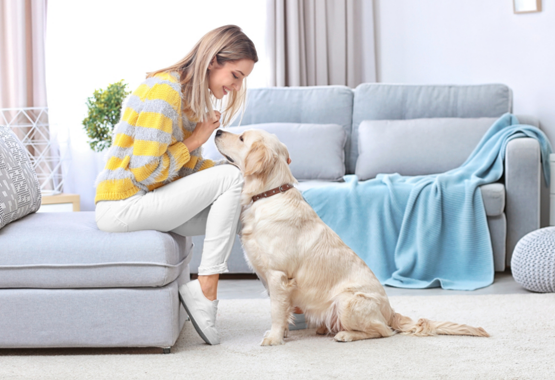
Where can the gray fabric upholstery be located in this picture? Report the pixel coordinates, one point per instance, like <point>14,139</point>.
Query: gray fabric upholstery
<point>374,101</point>
<point>533,261</point>
<point>19,186</point>
<point>523,180</point>
<point>544,189</point>
<point>417,146</point>
<point>307,105</point>
<point>67,250</point>
<point>117,317</point>
<point>493,195</point>
<point>317,151</point>
<point>305,185</point>
<point>528,120</point>
<point>312,105</point>
<point>497,226</point>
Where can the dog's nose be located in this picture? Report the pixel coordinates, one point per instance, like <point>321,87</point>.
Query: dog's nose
<point>218,132</point>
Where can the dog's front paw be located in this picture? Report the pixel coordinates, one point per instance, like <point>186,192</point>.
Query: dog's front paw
<point>343,336</point>
<point>272,339</point>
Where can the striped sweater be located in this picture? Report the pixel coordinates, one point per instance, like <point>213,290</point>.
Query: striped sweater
<point>147,147</point>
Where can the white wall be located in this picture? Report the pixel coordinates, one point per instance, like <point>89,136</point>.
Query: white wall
<point>90,44</point>
<point>471,42</point>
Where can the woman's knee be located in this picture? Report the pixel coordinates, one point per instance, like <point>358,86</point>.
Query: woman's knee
<point>233,173</point>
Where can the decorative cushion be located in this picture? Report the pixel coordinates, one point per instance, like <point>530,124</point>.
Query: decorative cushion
<point>316,150</point>
<point>382,101</point>
<point>417,146</point>
<point>533,261</point>
<point>19,186</point>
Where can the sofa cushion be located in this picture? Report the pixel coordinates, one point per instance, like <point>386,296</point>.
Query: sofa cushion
<point>378,101</point>
<point>316,150</point>
<point>67,250</point>
<point>311,104</point>
<point>417,146</point>
<point>19,186</point>
<point>493,195</point>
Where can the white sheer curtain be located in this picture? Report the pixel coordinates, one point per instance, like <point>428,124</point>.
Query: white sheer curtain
<point>320,42</point>
<point>22,35</point>
<point>91,44</point>
<point>23,82</point>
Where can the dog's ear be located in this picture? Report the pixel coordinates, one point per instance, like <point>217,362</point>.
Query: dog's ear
<point>283,150</point>
<point>259,159</point>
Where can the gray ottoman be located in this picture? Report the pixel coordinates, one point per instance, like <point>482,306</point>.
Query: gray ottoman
<point>533,262</point>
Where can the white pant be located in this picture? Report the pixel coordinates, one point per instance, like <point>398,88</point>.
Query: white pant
<point>204,203</point>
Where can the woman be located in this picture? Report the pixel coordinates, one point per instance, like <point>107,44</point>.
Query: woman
<point>155,177</point>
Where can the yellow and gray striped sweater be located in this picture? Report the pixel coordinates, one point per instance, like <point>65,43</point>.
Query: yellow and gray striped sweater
<point>147,147</point>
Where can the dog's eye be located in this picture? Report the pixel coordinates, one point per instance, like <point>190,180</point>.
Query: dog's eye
<point>241,138</point>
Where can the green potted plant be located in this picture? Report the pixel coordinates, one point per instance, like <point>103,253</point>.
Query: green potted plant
<point>104,113</point>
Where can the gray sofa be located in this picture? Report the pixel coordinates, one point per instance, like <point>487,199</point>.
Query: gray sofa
<point>399,123</point>
<point>64,283</point>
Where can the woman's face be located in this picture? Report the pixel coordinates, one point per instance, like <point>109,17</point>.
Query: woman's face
<point>228,77</point>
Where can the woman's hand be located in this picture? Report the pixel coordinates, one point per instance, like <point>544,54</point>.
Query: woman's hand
<point>203,131</point>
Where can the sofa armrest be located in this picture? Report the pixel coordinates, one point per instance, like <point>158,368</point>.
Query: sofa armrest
<point>522,184</point>
<point>528,120</point>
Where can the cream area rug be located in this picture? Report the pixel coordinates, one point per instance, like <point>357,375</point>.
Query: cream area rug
<point>521,346</point>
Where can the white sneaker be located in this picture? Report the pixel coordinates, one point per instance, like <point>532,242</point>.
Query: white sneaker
<point>201,310</point>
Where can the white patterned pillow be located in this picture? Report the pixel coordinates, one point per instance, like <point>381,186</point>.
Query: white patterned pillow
<point>19,186</point>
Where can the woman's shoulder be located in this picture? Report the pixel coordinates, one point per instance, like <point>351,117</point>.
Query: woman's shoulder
<point>167,76</point>
<point>162,86</point>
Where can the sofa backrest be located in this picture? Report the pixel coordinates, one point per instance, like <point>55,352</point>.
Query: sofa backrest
<point>310,105</point>
<point>313,105</point>
<point>374,101</point>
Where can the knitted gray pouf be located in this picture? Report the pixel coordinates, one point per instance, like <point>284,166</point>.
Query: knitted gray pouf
<point>533,262</point>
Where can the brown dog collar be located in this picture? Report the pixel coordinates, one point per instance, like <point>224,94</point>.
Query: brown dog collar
<point>274,191</point>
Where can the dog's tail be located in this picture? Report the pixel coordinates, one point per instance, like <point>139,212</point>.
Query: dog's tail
<point>425,327</point>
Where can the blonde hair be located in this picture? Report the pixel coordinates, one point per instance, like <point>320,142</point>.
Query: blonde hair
<point>226,44</point>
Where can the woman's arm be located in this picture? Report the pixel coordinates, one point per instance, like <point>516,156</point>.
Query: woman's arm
<point>156,154</point>
<point>203,131</point>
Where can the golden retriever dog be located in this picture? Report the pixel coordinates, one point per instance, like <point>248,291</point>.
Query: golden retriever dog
<point>302,261</point>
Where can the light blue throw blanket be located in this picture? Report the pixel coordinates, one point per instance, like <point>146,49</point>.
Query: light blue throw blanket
<point>425,231</point>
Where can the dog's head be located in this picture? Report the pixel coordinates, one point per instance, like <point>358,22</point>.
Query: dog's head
<point>261,157</point>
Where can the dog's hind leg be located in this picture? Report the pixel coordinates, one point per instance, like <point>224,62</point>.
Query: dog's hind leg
<point>361,317</point>
<point>322,330</point>
<point>280,288</point>
<point>351,336</point>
